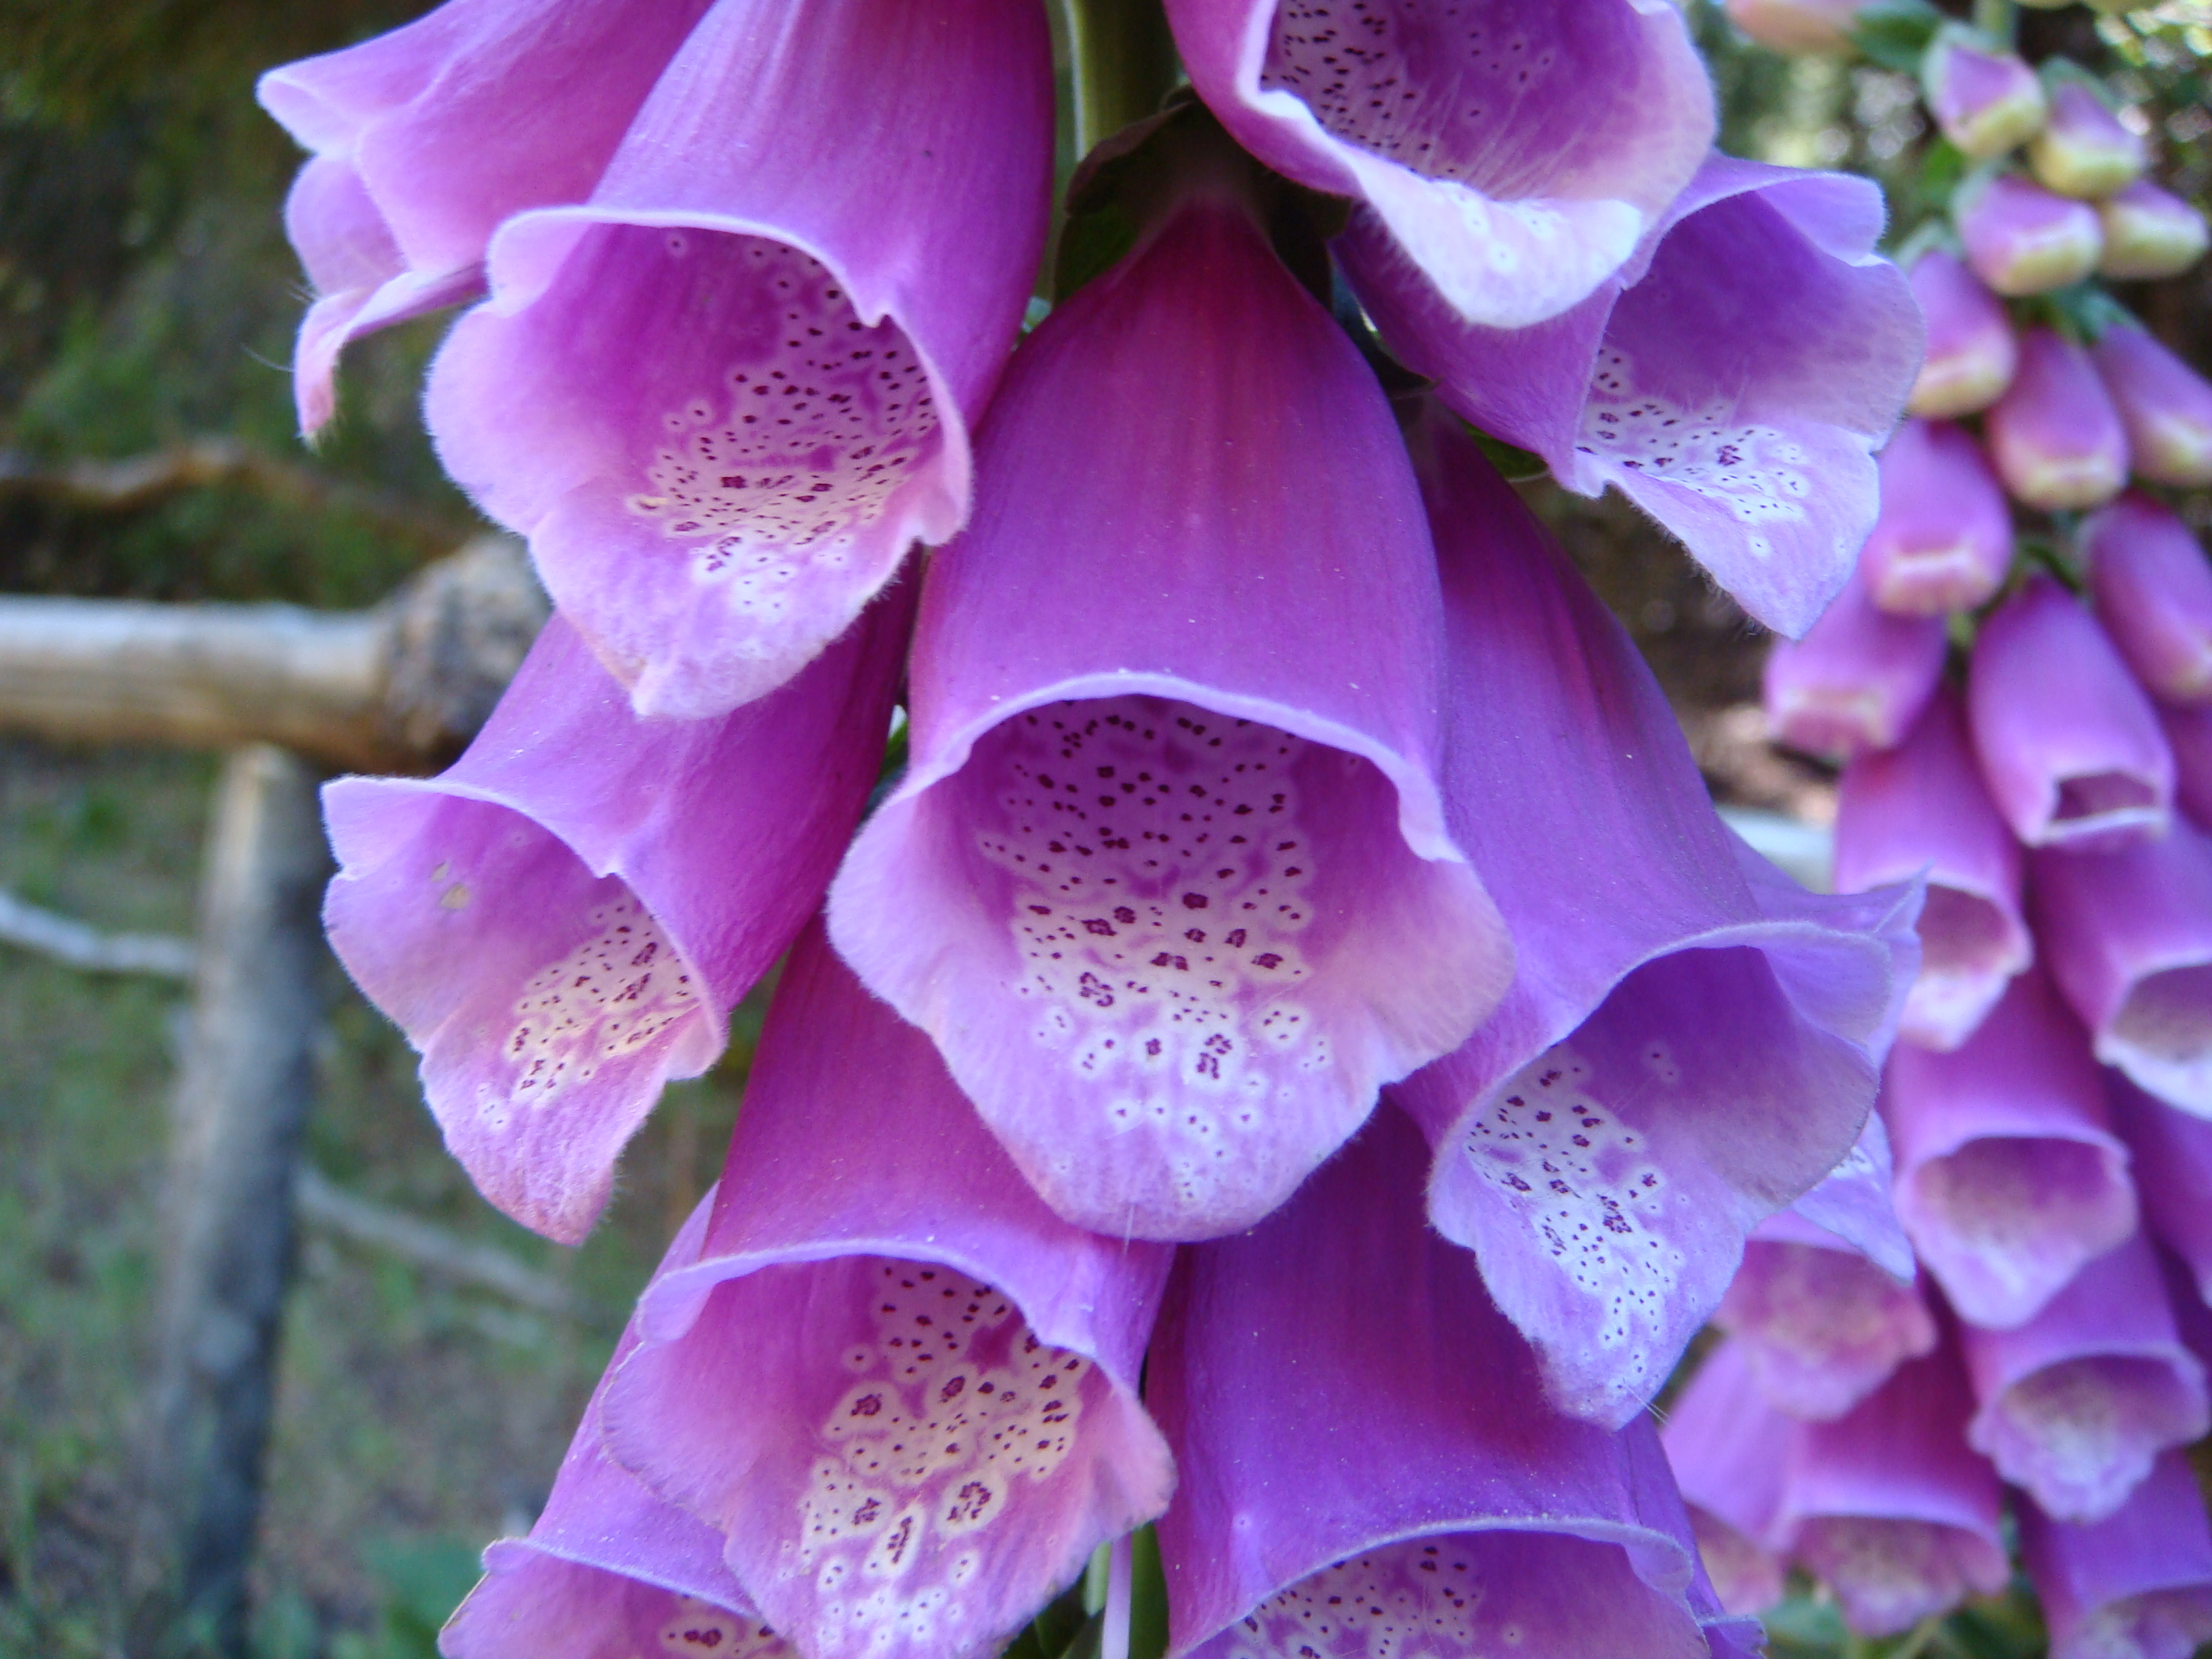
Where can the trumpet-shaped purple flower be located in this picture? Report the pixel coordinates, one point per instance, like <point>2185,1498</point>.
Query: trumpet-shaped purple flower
<point>901,1388</point>
<point>2008,1177</point>
<point>2056,436</point>
<point>1857,680</point>
<point>1730,1446</point>
<point>2136,1585</point>
<point>1168,879</point>
<point>2189,733</point>
<point>2084,150</point>
<point>725,395</point>
<point>1347,1492</point>
<point>1986,101</point>
<point>1943,541</point>
<point>2022,239</point>
<point>2166,405</point>
<point>1513,153</point>
<point>1733,380</point>
<point>2069,746</point>
<point>564,919</point>
<point>1922,807</point>
<point>2128,937</point>
<point>425,138</point>
<point>1690,1040</point>
<point>2173,1165</point>
<point>1971,353</point>
<point>2149,233</point>
<point>2076,1404</point>
<point>2154,591</point>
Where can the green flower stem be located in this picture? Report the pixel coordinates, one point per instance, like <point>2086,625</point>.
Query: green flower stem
<point>1124,65</point>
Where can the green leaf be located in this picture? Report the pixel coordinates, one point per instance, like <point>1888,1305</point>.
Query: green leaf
<point>1895,34</point>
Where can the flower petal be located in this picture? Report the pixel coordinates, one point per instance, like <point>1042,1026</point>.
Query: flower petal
<point>1857,681</point>
<point>1730,1447</point>
<point>2136,1585</point>
<point>1820,1327</point>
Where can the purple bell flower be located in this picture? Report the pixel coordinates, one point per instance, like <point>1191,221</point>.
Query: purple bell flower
<point>2149,233</point>
<point>2084,150</point>
<point>901,1388</point>
<point>2022,239</point>
<point>724,396</point>
<point>1347,1492</point>
<point>1168,878</point>
<point>2069,746</point>
<point>1943,541</point>
<point>1730,1448</point>
<point>2136,1585</point>
<point>2152,586</point>
<point>2078,1403</point>
<point>1514,153</point>
<point>1692,1040</point>
<point>2173,1164</point>
<point>2189,733</point>
<point>1985,100</point>
<point>1971,353</point>
<point>426,137</point>
<point>2056,436</point>
<point>1734,379</point>
<point>1922,807</point>
<point>1857,680</point>
<point>2009,1176</point>
<point>2128,934</point>
<point>2166,405</point>
<point>563,920</point>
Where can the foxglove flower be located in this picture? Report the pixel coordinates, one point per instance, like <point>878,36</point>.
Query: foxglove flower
<point>1889,1508</point>
<point>724,396</point>
<point>2154,591</point>
<point>2009,1176</point>
<point>2149,233</point>
<point>1943,541</point>
<point>2076,1404</point>
<point>1797,26</point>
<point>2136,1585</point>
<point>2069,746</point>
<point>1971,353</point>
<point>1922,807</point>
<point>1857,680</point>
<point>1851,1205</point>
<point>425,138</point>
<point>1733,380</point>
<point>2128,937</point>
<point>2166,405</point>
<point>1513,153</point>
<point>2173,1165</point>
<point>2084,150</point>
<point>2020,239</point>
<point>1368,1463</point>
<point>1819,1325</point>
<point>900,1387</point>
<point>1986,101</point>
<point>1676,1060</point>
<point>1168,879</point>
<point>2056,436</point>
<point>1730,1448</point>
<point>564,919</point>
<point>2189,733</point>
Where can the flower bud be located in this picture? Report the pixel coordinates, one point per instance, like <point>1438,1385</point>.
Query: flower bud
<point>1857,681</point>
<point>2154,594</point>
<point>2057,440</point>
<point>1797,26</point>
<point>2085,151</point>
<point>2020,239</point>
<point>2149,232</point>
<point>2166,405</point>
<point>1984,99</point>
<point>1971,353</point>
<point>1944,539</point>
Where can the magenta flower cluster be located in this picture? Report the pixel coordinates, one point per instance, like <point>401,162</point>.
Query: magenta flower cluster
<point>1294,1056</point>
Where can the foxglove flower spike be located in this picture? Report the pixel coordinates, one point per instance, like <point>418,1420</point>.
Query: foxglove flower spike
<point>1971,353</point>
<point>1943,541</point>
<point>2022,239</point>
<point>2056,436</point>
<point>2149,233</point>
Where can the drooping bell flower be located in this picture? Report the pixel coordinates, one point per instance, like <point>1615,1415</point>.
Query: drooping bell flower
<point>901,1388</point>
<point>1797,26</point>
<point>2084,150</point>
<point>1943,541</point>
<point>2076,1405</point>
<point>2022,238</point>
<point>2056,436</point>
<point>1852,1205</point>
<point>1690,1040</point>
<point>563,920</point>
<point>2136,1585</point>
<point>724,396</point>
<point>1922,806</point>
<point>2166,405</point>
<point>1820,1326</point>
<point>426,137</point>
<point>2069,746</point>
<point>1734,379</point>
<point>1730,1447</point>
<point>2189,734</point>
<point>609,1571</point>
<point>2173,1165</point>
<point>2009,1176</point>
<point>2152,586</point>
<point>1511,153</point>
<point>2149,233</point>
<point>1857,681</point>
<point>1971,353</point>
<point>2128,937</point>
<point>1168,879</point>
<point>1368,1463</point>
<point>1889,1509</point>
<point>1984,98</point>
